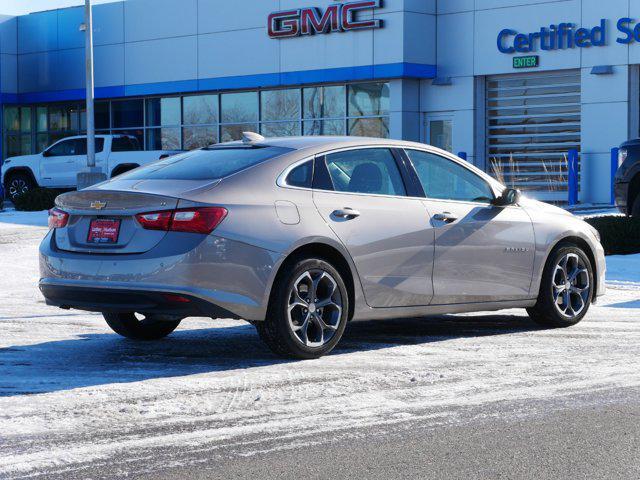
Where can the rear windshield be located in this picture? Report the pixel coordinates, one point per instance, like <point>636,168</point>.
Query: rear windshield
<point>205,164</point>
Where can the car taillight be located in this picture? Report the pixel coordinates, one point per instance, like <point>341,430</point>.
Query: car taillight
<point>155,220</point>
<point>192,220</point>
<point>58,218</point>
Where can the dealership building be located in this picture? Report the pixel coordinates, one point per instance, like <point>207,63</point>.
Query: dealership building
<point>514,84</point>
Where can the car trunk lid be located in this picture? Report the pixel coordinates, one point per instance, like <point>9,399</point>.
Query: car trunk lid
<point>103,221</point>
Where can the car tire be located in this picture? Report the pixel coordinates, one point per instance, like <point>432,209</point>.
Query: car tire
<point>295,327</point>
<point>568,269</point>
<point>147,328</point>
<point>18,184</point>
<point>635,208</point>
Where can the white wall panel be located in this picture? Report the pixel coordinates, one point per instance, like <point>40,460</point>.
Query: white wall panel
<point>161,60</point>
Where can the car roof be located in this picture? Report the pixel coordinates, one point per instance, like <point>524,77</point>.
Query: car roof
<point>328,142</point>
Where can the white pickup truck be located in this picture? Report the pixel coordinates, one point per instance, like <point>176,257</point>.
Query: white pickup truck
<point>59,164</point>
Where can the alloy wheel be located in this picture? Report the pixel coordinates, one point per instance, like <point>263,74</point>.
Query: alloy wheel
<point>18,186</point>
<point>571,287</point>
<point>315,308</point>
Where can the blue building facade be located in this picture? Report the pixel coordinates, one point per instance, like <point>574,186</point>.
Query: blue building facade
<point>183,74</point>
<point>515,84</point>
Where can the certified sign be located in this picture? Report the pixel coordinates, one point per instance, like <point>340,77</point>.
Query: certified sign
<point>340,17</point>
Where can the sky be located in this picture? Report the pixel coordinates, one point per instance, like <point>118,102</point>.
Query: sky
<point>21,7</point>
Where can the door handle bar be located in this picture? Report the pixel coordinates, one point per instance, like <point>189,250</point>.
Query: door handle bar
<point>447,217</point>
<point>346,213</point>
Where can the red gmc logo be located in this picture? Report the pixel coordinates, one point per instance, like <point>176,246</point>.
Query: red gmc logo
<point>341,17</point>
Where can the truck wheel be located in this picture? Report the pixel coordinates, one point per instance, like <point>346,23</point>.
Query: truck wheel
<point>18,184</point>
<point>566,288</point>
<point>307,312</point>
<point>145,328</point>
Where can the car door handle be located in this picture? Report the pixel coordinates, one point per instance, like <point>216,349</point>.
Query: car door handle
<point>346,212</point>
<point>447,217</point>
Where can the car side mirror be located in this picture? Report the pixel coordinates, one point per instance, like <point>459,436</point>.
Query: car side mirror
<point>510,196</point>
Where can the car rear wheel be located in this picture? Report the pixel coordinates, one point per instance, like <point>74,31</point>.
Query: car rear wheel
<point>18,184</point>
<point>308,310</point>
<point>566,289</point>
<point>140,327</point>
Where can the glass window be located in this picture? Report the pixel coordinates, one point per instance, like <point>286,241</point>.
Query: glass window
<point>369,127</point>
<point>206,164</point>
<point>25,119</point>
<point>240,107</point>
<point>280,129</point>
<point>163,111</point>
<point>42,142</point>
<point>163,139</point>
<point>125,144</point>
<point>12,119</point>
<point>280,104</point>
<point>41,119</point>
<point>127,113</point>
<point>200,109</point>
<point>324,127</point>
<point>440,133</point>
<point>444,179</point>
<point>368,99</point>
<point>102,115</point>
<point>323,102</point>
<point>301,176</point>
<point>370,170</point>
<point>65,148</point>
<point>60,118</point>
<point>229,133</point>
<point>199,137</point>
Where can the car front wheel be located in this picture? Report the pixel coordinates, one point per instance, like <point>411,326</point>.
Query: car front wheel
<point>566,289</point>
<point>140,327</point>
<point>18,184</point>
<point>308,310</point>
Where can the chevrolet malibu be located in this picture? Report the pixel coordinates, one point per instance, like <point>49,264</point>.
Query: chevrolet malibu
<point>299,236</point>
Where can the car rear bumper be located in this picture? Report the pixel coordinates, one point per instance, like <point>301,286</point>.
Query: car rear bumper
<point>101,299</point>
<point>222,277</point>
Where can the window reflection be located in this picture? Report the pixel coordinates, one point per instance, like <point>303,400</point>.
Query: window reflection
<point>325,102</point>
<point>195,121</point>
<point>163,111</point>
<point>280,129</point>
<point>280,104</point>
<point>369,127</point>
<point>198,137</point>
<point>368,99</point>
<point>239,107</point>
<point>228,133</point>
<point>200,109</point>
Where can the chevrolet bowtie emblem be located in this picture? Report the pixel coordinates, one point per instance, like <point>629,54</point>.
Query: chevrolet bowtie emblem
<point>98,205</point>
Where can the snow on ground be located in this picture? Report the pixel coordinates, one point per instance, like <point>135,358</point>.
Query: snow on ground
<point>74,393</point>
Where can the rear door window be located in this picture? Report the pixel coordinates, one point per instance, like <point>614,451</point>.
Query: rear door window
<point>124,144</point>
<point>205,164</point>
<point>367,170</point>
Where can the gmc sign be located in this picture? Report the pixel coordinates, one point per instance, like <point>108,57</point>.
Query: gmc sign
<point>341,17</point>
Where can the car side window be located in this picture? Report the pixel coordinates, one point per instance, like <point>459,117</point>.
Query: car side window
<point>444,179</point>
<point>64,148</point>
<point>301,176</point>
<point>367,170</point>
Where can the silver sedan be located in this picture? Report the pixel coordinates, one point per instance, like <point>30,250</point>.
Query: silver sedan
<point>299,236</point>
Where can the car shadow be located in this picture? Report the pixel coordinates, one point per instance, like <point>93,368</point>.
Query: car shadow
<point>101,359</point>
